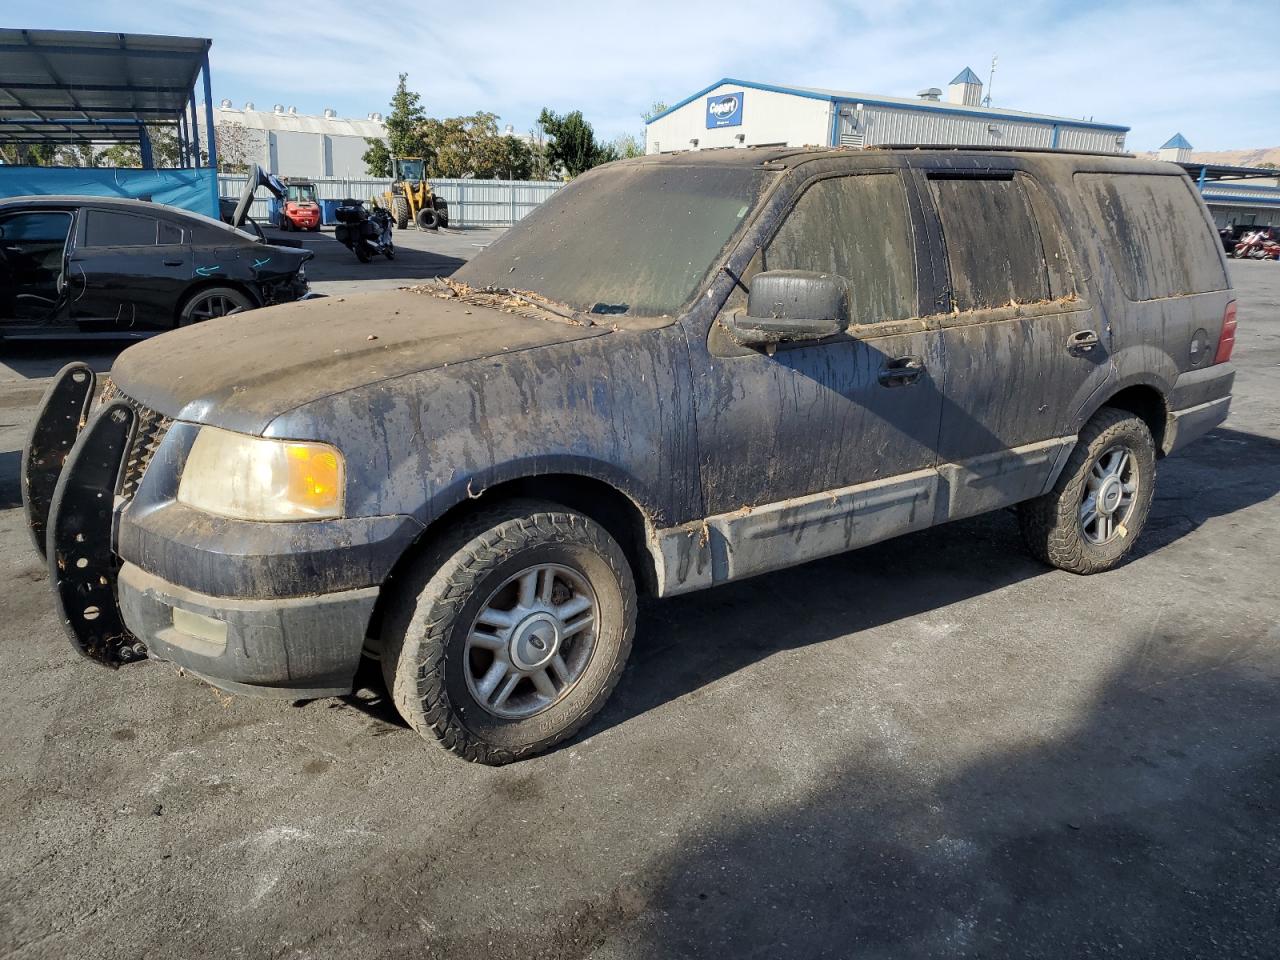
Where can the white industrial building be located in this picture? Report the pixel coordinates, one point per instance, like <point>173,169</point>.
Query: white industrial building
<point>732,113</point>
<point>291,144</point>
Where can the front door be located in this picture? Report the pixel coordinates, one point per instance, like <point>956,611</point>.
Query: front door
<point>127,271</point>
<point>817,447</point>
<point>32,250</point>
<point>1025,347</point>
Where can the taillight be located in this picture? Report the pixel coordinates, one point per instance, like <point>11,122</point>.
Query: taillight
<point>1227,341</point>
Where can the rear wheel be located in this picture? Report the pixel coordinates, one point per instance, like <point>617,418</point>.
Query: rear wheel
<point>362,252</point>
<point>400,211</point>
<point>1099,504</point>
<point>511,633</point>
<point>389,251</point>
<point>212,302</point>
<point>428,219</point>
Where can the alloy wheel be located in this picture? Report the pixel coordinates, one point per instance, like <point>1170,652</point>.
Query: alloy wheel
<point>1110,492</point>
<point>531,641</point>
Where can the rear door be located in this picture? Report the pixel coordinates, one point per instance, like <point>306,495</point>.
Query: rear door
<point>1024,347</point>
<point>127,270</point>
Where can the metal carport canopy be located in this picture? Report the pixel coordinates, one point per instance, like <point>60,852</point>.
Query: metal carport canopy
<point>65,86</point>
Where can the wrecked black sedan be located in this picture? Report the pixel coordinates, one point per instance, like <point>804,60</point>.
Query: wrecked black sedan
<point>678,372</point>
<point>100,266</point>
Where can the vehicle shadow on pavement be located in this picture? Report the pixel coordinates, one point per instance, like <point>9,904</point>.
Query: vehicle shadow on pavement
<point>37,359</point>
<point>686,642</point>
<point>333,261</point>
<point>1149,827</point>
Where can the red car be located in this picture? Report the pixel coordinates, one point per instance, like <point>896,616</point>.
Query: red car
<point>300,208</point>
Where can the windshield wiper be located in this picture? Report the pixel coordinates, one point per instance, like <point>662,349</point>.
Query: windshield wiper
<point>550,307</point>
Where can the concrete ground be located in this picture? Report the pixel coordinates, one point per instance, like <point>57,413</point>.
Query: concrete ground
<point>933,747</point>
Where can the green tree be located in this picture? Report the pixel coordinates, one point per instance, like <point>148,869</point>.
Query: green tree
<point>471,146</point>
<point>377,159</point>
<point>571,143</point>
<point>31,154</point>
<point>165,151</point>
<point>656,108</point>
<point>404,131</point>
<point>628,145</point>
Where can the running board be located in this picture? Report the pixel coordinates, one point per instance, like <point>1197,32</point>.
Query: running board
<point>58,422</point>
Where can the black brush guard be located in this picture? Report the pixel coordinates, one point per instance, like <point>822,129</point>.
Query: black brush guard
<point>70,478</point>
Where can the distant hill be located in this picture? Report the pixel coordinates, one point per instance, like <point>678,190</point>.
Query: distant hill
<point>1235,158</point>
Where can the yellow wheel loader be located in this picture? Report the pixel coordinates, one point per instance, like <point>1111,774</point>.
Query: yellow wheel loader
<point>411,197</point>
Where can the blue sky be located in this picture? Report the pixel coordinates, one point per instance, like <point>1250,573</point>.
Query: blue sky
<point>1205,69</point>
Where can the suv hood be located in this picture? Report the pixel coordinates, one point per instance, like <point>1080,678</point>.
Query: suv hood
<point>243,371</point>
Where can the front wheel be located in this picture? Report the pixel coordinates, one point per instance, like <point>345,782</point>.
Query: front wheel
<point>511,633</point>
<point>1097,508</point>
<point>362,252</point>
<point>389,251</point>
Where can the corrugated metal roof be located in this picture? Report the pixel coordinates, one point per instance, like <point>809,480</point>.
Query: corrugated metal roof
<point>68,85</point>
<point>300,123</point>
<point>911,103</point>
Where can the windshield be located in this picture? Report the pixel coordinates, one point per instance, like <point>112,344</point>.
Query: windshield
<point>301,192</point>
<point>411,169</point>
<point>635,238</point>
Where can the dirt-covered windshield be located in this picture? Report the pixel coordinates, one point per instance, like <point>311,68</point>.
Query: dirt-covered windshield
<point>632,239</point>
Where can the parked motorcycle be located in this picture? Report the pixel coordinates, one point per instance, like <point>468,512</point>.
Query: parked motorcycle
<point>1258,245</point>
<point>365,234</point>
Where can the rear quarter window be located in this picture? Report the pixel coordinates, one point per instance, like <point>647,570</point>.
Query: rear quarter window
<point>1155,234</point>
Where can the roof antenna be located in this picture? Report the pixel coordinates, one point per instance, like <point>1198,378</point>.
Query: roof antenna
<point>991,78</point>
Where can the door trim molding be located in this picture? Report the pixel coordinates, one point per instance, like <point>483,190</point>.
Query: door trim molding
<point>754,540</point>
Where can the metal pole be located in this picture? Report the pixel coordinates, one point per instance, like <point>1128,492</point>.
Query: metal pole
<point>144,145</point>
<point>208,112</point>
<point>195,130</point>
<point>1200,182</point>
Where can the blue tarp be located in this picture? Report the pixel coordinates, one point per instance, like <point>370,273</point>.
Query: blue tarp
<point>195,190</point>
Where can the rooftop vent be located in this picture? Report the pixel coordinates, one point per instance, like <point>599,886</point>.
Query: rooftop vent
<point>293,111</point>
<point>376,116</point>
<point>225,105</point>
<point>930,93</point>
<point>330,113</point>
<point>248,104</point>
<point>278,108</point>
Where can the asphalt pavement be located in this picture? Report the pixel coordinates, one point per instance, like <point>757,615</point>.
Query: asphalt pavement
<point>933,747</point>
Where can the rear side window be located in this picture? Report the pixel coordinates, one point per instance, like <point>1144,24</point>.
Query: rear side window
<point>858,228</point>
<point>1156,236</point>
<point>106,228</point>
<point>993,242</point>
<point>169,233</point>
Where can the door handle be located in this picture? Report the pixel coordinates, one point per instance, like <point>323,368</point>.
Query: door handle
<point>174,263</point>
<point>901,371</point>
<point>1081,342</point>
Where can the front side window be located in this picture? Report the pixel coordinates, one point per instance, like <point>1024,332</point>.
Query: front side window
<point>36,228</point>
<point>107,228</point>
<point>993,242</point>
<point>858,228</point>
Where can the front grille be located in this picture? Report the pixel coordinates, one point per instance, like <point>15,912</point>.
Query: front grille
<point>148,433</point>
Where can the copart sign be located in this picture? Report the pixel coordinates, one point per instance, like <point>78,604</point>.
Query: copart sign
<point>724,110</point>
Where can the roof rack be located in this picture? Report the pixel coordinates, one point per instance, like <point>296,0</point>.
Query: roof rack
<point>988,148</point>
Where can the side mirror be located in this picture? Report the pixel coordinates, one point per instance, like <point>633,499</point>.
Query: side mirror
<point>788,305</point>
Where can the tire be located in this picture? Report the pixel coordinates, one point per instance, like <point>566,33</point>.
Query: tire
<point>212,302</point>
<point>432,658</point>
<point>389,251</point>
<point>400,211</point>
<point>362,252</point>
<point>1054,526</point>
<point>427,219</point>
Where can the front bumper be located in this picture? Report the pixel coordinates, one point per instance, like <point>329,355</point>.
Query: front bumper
<point>298,647</point>
<point>253,607</point>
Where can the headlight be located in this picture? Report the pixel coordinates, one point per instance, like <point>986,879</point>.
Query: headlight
<point>250,478</point>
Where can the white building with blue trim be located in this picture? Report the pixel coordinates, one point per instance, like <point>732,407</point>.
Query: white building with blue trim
<point>733,112</point>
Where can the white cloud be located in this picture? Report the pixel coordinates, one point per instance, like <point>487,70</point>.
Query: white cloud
<point>1158,67</point>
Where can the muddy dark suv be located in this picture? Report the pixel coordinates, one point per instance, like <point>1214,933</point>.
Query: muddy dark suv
<point>679,371</point>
